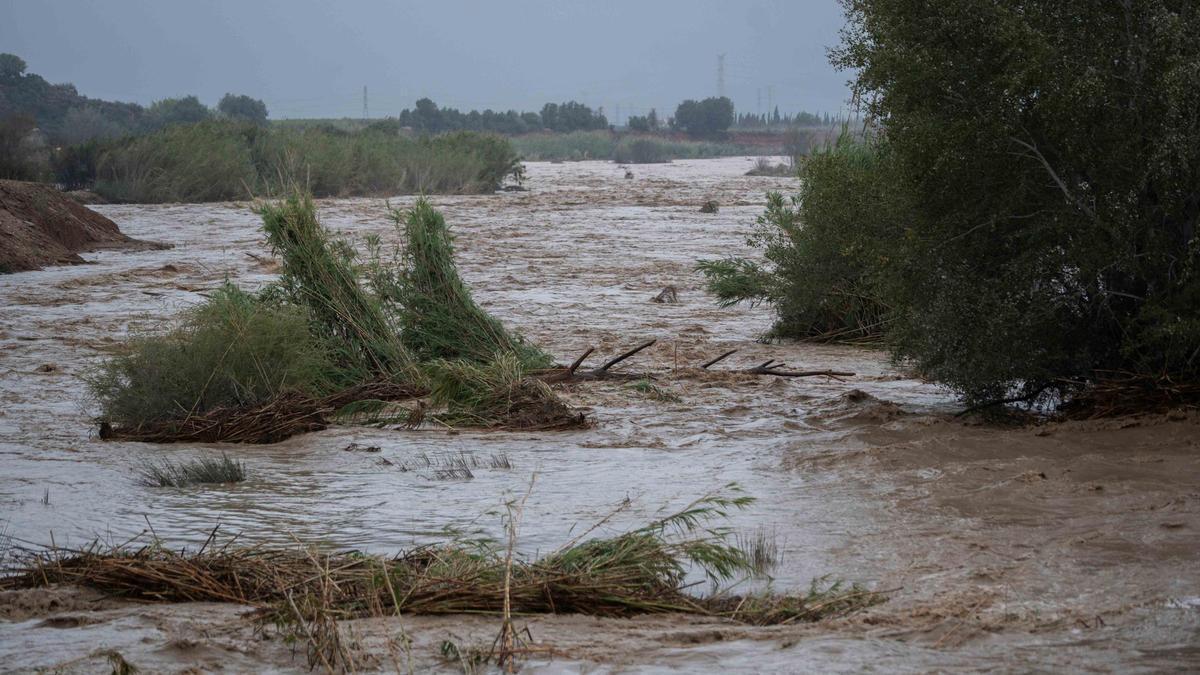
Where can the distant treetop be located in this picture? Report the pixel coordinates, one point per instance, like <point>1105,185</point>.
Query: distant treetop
<point>242,107</point>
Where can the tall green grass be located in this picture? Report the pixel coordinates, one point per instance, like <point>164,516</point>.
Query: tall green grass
<point>202,471</point>
<point>319,273</point>
<point>224,160</point>
<point>575,146</point>
<point>438,316</point>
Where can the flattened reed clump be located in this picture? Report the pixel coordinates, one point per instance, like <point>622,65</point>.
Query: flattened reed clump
<point>202,471</point>
<point>324,344</point>
<point>274,420</point>
<point>641,571</point>
<point>497,395</point>
<point>652,391</point>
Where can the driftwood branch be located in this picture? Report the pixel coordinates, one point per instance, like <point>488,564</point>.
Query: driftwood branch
<point>718,359</point>
<point>573,374</point>
<point>769,367</point>
<point>579,361</point>
<point>602,370</point>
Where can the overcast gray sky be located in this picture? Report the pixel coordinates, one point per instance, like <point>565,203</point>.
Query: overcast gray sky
<point>312,59</point>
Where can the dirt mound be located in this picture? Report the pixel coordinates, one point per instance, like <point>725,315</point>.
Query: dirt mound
<point>41,226</point>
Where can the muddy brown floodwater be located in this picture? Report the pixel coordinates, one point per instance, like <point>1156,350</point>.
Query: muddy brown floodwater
<point>1061,547</point>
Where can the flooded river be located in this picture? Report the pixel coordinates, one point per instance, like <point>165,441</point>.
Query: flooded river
<point>1060,547</point>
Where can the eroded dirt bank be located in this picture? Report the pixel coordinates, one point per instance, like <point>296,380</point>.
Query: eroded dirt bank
<point>1063,547</point>
<point>41,226</point>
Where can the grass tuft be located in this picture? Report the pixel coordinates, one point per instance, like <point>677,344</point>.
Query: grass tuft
<point>652,391</point>
<point>762,550</point>
<point>203,471</point>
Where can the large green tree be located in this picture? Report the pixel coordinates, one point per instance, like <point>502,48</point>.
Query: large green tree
<point>1052,150</point>
<point>168,111</point>
<point>707,118</point>
<point>242,107</point>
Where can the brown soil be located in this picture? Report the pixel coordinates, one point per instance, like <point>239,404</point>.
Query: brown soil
<point>41,226</point>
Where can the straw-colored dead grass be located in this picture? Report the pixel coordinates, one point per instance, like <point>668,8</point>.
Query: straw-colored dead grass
<point>638,572</point>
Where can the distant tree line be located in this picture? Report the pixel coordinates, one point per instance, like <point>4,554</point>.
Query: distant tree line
<point>800,119</point>
<point>65,117</point>
<point>706,118</point>
<point>427,117</point>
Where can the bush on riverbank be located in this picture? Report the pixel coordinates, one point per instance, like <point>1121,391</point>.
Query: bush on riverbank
<point>824,258</point>
<point>1029,233</point>
<point>224,160</point>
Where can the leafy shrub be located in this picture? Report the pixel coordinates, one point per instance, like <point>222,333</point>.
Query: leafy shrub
<point>632,150</point>
<point>1057,187</point>
<point>232,350</point>
<point>824,249</point>
<point>1027,221</point>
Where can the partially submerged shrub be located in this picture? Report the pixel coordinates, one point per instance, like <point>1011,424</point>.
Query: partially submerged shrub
<point>232,350</point>
<point>1054,189</point>
<point>321,344</point>
<point>823,250</point>
<point>205,470</point>
<point>1023,226</point>
<point>764,167</point>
